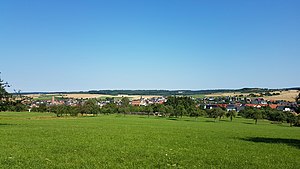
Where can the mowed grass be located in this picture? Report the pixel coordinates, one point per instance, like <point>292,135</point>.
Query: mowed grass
<point>41,140</point>
<point>198,96</point>
<point>47,97</point>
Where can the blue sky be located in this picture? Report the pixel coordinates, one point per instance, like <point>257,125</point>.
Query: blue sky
<point>165,44</point>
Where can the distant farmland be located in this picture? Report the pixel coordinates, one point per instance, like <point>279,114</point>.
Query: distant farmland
<point>288,95</point>
<point>84,96</point>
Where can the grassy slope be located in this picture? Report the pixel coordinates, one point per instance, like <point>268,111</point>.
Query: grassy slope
<point>42,141</point>
<point>198,96</point>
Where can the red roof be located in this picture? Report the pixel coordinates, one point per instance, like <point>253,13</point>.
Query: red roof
<point>135,102</point>
<point>256,105</point>
<point>250,105</point>
<point>161,102</point>
<point>273,106</point>
<point>222,105</point>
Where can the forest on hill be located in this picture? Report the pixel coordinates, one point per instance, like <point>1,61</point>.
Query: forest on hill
<point>168,92</point>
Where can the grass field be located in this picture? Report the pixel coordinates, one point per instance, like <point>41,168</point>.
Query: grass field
<point>198,96</point>
<point>37,140</point>
<point>46,97</point>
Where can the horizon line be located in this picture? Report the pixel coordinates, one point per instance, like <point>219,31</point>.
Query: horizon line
<point>75,91</point>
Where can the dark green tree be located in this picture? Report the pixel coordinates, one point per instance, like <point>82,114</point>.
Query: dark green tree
<point>212,113</point>
<point>4,95</point>
<point>125,102</point>
<point>180,110</point>
<point>298,99</point>
<point>201,112</point>
<point>181,104</point>
<point>123,110</point>
<point>91,107</point>
<point>169,110</point>
<point>291,118</point>
<point>231,114</point>
<point>160,109</point>
<point>257,114</point>
<point>149,110</point>
<point>192,111</point>
<point>59,110</point>
<point>220,112</point>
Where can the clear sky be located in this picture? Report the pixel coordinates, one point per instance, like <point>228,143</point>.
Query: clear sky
<point>68,45</point>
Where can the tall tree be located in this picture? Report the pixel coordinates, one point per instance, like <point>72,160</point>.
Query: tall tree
<point>125,102</point>
<point>257,114</point>
<point>220,112</point>
<point>298,98</point>
<point>181,110</point>
<point>4,95</point>
<point>91,107</point>
<point>149,110</point>
<point>231,114</point>
<point>291,118</point>
<point>123,110</point>
<point>214,114</point>
<point>169,110</point>
<point>196,112</point>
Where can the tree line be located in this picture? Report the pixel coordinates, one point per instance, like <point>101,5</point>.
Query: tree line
<point>271,114</point>
<point>169,92</point>
<point>174,107</point>
<point>7,101</point>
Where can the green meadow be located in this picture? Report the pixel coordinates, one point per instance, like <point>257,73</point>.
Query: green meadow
<point>198,96</point>
<point>47,97</point>
<point>41,140</point>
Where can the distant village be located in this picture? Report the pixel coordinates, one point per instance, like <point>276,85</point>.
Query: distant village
<point>229,103</point>
<point>240,103</point>
<point>75,102</point>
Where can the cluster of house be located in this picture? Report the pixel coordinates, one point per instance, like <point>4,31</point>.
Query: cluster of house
<point>148,101</point>
<point>229,103</point>
<point>239,107</point>
<point>53,101</point>
<point>236,104</point>
<point>74,102</point>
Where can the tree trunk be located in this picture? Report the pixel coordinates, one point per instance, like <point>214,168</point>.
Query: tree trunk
<point>255,121</point>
